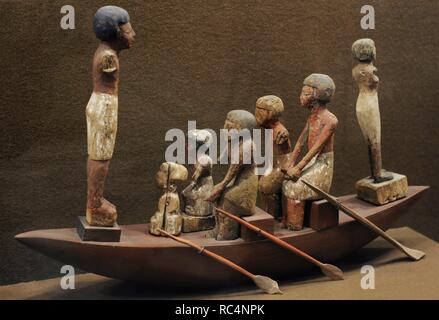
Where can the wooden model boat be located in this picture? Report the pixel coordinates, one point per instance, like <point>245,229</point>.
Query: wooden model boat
<point>162,262</point>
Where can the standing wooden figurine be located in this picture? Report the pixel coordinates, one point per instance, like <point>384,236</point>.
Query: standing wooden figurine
<point>268,111</point>
<point>168,215</point>
<point>112,26</point>
<point>198,212</point>
<point>237,192</point>
<point>382,186</point>
<point>318,164</point>
<point>368,110</point>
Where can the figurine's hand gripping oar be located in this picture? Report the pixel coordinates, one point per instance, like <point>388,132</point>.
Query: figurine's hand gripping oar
<point>331,271</point>
<point>266,284</point>
<point>413,254</point>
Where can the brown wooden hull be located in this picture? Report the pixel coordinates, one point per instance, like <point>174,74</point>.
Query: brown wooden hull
<point>162,262</point>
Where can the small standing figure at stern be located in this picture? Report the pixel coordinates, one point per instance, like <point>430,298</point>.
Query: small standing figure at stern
<point>367,108</point>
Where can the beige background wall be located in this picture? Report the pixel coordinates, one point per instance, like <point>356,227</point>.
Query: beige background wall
<point>196,60</point>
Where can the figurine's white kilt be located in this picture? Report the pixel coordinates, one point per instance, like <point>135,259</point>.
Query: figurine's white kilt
<point>101,113</point>
<point>319,173</point>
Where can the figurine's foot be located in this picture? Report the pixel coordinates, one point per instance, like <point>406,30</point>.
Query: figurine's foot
<point>383,176</point>
<point>104,216</point>
<point>295,227</point>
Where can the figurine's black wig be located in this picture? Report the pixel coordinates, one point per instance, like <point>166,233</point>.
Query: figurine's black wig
<point>107,20</point>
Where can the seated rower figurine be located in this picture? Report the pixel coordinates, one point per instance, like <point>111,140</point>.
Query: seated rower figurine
<point>168,216</point>
<point>198,212</point>
<point>237,192</point>
<point>317,165</point>
<point>268,111</point>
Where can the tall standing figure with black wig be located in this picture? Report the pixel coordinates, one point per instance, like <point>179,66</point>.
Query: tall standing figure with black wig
<point>112,26</point>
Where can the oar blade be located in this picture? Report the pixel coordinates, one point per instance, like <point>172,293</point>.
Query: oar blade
<point>413,254</point>
<point>332,271</point>
<point>267,284</point>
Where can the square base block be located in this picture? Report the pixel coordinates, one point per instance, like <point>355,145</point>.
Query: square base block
<point>99,234</point>
<point>197,223</point>
<point>384,192</point>
<point>322,215</point>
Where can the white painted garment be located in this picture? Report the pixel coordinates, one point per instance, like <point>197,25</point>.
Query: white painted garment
<point>318,172</point>
<point>101,113</point>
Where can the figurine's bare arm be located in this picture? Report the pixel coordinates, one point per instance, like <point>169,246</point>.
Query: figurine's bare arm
<point>230,175</point>
<point>299,145</point>
<point>219,188</point>
<point>325,135</point>
<point>106,70</point>
<point>109,63</point>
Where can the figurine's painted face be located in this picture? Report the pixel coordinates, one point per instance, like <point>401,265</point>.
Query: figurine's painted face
<point>229,125</point>
<point>307,98</point>
<point>127,35</point>
<point>262,116</point>
<point>170,172</point>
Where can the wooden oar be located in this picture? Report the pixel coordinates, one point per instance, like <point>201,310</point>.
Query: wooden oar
<point>411,253</point>
<point>265,283</point>
<point>331,271</point>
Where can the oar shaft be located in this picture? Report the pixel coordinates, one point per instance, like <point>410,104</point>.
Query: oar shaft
<point>229,263</point>
<point>369,224</point>
<point>271,237</point>
<point>211,254</point>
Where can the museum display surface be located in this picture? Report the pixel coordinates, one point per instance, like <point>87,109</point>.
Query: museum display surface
<point>229,182</point>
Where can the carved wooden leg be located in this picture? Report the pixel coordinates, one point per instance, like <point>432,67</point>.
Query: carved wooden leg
<point>272,204</point>
<point>228,229</point>
<point>376,164</point>
<point>100,212</point>
<point>285,206</point>
<point>293,214</point>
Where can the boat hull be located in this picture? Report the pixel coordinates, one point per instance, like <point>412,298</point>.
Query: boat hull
<point>162,262</point>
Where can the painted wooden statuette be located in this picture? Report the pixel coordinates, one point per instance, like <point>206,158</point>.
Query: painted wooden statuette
<point>268,111</point>
<point>112,26</point>
<point>198,212</point>
<point>168,215</point>
<point>318,164</point>
<point>237,192</point>
<point>382,186</point>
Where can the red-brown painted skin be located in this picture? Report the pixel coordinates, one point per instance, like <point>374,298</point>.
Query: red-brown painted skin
<point>106,55</point>
<point>271,196</point>
<point>318,134</point>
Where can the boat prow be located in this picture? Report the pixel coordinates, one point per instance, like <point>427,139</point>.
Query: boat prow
<point>162,262</point>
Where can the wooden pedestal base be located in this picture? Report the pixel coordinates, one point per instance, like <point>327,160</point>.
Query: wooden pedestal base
<point>322,215</point>
<point>384,192</point>
<point>197,223</point>
<point>99,234</point>
<point>260,219</point>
